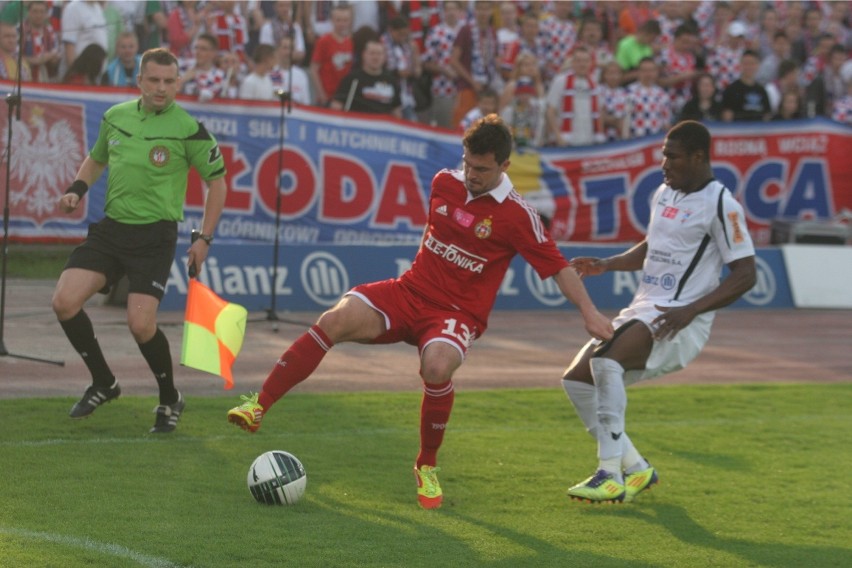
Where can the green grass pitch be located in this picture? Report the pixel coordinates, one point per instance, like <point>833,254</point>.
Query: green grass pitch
<point>750,476</point>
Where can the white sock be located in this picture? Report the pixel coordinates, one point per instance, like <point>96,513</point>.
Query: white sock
<point>584,397</point>
<point>631,460</point>
<point>612,404</point>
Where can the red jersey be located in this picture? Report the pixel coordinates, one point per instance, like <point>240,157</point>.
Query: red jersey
<point>334,61</point>
<point>470,243</point>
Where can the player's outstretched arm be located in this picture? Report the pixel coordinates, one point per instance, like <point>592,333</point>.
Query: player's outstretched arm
<point>588,266</point>
<point>597,325</point>
<point>629,260</point>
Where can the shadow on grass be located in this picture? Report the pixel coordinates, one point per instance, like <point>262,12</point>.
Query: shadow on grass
<point>415,538</point>
<point>544,552</point>
<point>677,521</point>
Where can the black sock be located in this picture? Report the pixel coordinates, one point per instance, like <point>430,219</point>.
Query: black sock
<point>156,352</point>
<point>81,334</point>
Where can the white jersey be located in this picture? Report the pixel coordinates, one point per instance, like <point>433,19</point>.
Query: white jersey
<point>690,237</point>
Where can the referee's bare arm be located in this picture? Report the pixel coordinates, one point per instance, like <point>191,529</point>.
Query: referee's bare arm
<point>89,172</point>
<point>214,203</point>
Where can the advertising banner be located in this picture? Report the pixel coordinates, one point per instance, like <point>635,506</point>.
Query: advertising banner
<point>354,179</point>
<point>789,170</point>
<point>313,278</point>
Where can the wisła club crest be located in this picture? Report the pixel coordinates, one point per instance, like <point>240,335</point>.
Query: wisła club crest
<point>483,229</point>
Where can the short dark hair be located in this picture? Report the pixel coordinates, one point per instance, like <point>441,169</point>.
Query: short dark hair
<point>586,21</point>
<point>787,66</point>
<point>704,75</point>
<point>487,93</point>
<point>685,29</point>
<point>209,38</point>
<point>489,135</point>
<point>398,23</point>
<point>651,27</point>
<point>692,136</point>
<point>160,56</point>
<point>261,52</point>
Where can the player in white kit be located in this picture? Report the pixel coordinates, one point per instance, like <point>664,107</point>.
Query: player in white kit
<point>696,227</point>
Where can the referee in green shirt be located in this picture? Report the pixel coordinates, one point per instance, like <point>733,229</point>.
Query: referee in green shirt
<point>149,144</point>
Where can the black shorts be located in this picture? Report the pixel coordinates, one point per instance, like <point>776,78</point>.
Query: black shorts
<point>143,252</point>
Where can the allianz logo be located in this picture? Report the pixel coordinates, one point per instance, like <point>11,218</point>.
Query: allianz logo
<point>324,278</point>
<point>765,288</point>
<point>545,291</point>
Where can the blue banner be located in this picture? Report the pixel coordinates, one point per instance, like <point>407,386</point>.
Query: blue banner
<point>313,278</point>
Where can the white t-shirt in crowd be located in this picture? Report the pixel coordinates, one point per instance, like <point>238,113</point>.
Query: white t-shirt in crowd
<point>257,87</point>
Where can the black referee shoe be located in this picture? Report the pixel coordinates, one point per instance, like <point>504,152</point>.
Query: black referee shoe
<point>168,416</point>
<point>93,398</point>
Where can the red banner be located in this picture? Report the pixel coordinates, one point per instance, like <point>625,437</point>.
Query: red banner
<point>792,170</point>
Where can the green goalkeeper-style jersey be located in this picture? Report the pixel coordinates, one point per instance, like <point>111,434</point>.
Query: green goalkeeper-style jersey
<point>149,156</point>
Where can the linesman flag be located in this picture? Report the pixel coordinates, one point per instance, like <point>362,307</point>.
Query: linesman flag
<point>213,332</point>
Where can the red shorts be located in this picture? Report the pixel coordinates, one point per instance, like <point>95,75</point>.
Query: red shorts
<point>411,318</point>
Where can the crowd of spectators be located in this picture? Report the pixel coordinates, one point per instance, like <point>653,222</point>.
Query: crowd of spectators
<point>560,72</point>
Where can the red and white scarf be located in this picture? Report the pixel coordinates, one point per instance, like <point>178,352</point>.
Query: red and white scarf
<point>423,15</point>
<point>483,54</point>
<point>231,31</point>
<point>568,94</point>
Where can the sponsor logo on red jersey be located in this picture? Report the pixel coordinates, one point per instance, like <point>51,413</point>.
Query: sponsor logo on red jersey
<point>455,255</point>
<point>463,218</point>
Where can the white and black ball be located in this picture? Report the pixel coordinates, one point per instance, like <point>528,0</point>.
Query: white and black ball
<point>277,478</point>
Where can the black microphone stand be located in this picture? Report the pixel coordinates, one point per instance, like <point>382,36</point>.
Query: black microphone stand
<point>271,313</point>
<point>286,102</point>
<point>13,101</point>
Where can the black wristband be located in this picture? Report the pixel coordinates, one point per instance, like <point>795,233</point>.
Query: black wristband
<point>78,188</point>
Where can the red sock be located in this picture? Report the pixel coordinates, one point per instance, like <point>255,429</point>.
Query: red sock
<point>295,365</point>
<point>434,414</point>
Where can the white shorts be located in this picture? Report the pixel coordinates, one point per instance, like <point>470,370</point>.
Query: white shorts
<point>667,355</point>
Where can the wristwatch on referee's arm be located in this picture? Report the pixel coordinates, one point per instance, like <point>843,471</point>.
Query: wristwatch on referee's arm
<point>196,234</point>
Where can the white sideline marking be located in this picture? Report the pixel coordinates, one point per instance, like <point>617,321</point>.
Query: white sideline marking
<point>89,544</point>
<point>62,441</point>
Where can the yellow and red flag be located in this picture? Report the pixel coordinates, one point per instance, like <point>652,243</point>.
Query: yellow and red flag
<point>213,332</point>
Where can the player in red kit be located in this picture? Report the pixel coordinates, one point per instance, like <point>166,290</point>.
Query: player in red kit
<point>477,223</point>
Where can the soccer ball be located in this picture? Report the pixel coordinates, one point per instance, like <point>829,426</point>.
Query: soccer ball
<point>277,478</point>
